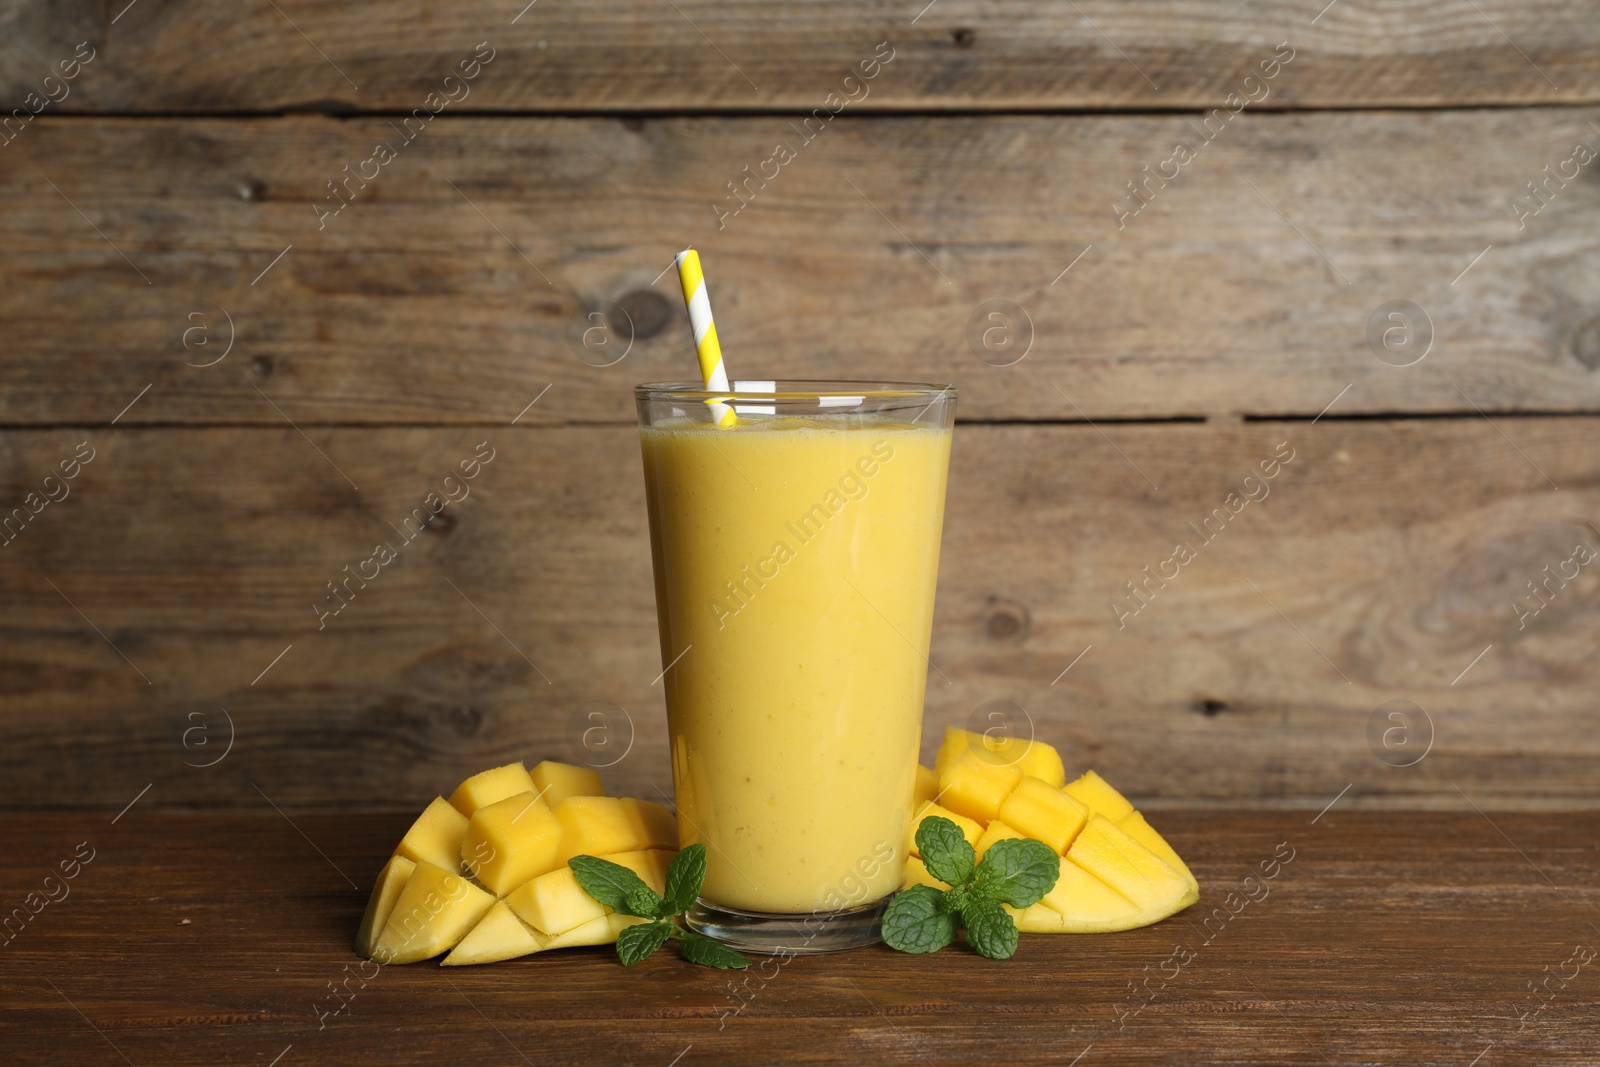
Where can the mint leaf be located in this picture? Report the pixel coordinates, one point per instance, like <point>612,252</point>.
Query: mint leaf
<point>1017,871</point>
<point>915,920</point>
<point>708,952</point>
<point>989,929</point>
<point>945,851</point>
<point>645,903</point>
<point>636,942</point>
<point>608,883</point>
<point>684,875</point>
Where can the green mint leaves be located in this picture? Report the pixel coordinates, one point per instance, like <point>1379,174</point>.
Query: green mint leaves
<point>621,890</point>
<point>1017,871</point>
<point>918,921</point>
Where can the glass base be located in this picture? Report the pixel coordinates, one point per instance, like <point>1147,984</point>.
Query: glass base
<point>790,935</point>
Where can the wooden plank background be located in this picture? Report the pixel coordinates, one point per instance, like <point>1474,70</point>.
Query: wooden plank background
<point>168,295</point>
<point>629,55</point>
<point>199,554</point>
<point>455,287</point>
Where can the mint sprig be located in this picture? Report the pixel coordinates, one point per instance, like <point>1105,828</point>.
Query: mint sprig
<point>1017,871</point>
<point>621,890</point>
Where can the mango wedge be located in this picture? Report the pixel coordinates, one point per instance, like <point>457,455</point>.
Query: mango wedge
<point>433,912</point>
<point>1135,827</point>
<point>499,935</point>
<point>391,880</point>
<point>483,876</point>
<point>1107,852</point>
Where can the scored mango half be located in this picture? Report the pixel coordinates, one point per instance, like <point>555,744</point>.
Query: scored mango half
<point>1117,872</point>
<point>484,876</point>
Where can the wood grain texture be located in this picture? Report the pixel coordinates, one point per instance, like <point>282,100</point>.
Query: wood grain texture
<point>456,287</point>
<point>1382,565</point>
<point>629,55</point>
<point>202,939</point>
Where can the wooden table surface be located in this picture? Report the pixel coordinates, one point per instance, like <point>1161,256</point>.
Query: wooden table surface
<point>1388,937</point>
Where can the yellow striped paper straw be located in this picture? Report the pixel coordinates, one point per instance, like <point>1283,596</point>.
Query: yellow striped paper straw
<point>705,333</point>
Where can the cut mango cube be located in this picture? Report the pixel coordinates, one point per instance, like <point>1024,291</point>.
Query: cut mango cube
<point>1038,919</point>
<point>434,911</point>
<point>598,826</point>
<point>1119,861</point>
<point>956,741</point>
<point>1043,812</point>
<point>927,787</point>
<point>486,787</point>
<point>970,829</point>
<point>554,903</point>
<point>1030,757</point>
<point>1087,905</point>
<point>555,782</point>
<point>1043,761</point>
<point>1134,826</point>
<point>917,874</point>
<point>511,841</point>
<point>1098,796</point>
<point>391,880</point>
<point>657,826</point>
<point>973,786</point>
<point>436,836</point>
<point>995,831</point>
<point>499,935</point>
<point>601,931</point>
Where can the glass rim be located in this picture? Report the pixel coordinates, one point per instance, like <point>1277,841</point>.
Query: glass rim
<point>798,389</point>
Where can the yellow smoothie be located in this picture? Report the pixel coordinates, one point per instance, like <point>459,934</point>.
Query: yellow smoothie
<point>795,563</point>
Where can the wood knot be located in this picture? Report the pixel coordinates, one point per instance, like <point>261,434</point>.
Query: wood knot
<point>633,124</point>
<point>252,190</point>
<point>1210,707</point>
<point>964,37</point>
<point>441,523</point>
<point>1007,621</point>
<point>647,310</point>
<point>261,366</point>
<point>466,720</point>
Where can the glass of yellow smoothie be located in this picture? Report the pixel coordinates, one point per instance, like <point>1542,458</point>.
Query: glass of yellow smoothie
<point>796,553</point>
